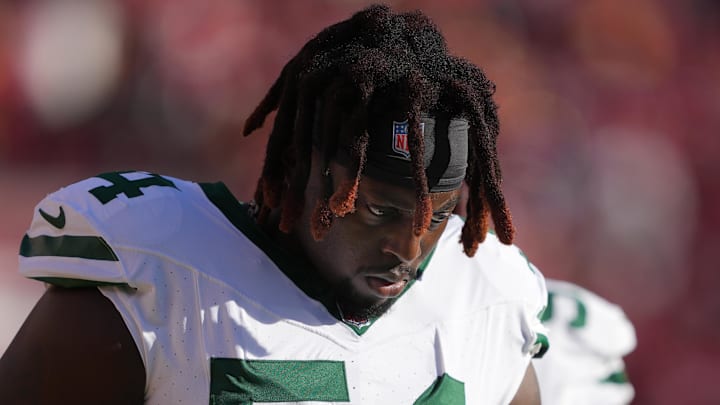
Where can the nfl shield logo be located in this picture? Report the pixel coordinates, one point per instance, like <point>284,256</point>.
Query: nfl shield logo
<point>400,139</point>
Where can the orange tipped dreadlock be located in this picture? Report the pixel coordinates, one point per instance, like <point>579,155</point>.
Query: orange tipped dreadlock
<point>375,60</point>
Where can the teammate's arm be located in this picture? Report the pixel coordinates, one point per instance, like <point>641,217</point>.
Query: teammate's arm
<point>73,348</point>
<point>529,391</point>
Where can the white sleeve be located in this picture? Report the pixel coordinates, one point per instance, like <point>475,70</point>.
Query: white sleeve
<point>78,232</point>
<point>590,336</point>
<point>64,245</point>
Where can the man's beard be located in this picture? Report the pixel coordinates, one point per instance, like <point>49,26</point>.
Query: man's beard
<point>356,308</point>
<point>360,308</point>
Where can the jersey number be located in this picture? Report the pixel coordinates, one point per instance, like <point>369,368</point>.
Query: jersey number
<point>131,188</point>
<point>581,312</point>
<point>241,381</point>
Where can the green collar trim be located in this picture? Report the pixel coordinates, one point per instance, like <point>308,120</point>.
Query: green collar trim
<point>298,270</point>
<point>618,377</point>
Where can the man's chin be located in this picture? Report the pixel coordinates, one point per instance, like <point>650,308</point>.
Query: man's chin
<point>365,311</point>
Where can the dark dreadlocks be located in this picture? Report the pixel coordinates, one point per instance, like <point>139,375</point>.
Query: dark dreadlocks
<point>351,70</point>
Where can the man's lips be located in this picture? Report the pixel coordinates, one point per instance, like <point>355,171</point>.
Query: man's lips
<point>389,277</point>
<point>401,271</point>
<point>390,283</point>
<point>384,288</point>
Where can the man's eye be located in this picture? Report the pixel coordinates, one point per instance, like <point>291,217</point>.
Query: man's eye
<point>438,219</point>
<point>377,211</point>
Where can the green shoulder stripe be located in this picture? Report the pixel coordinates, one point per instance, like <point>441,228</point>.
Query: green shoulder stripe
<point>84,247</point>
<point>77,283</point>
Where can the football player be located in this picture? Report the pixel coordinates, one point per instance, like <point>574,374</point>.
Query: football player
<point>347,279</point>
<point>590,338</point>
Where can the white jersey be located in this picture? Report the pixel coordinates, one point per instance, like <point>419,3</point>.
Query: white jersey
<point>590,337</point>
<point>216,317</point>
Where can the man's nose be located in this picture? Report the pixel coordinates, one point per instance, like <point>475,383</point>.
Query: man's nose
<point>402,242</point>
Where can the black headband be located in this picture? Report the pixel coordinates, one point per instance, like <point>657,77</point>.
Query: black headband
<point>388,153</point>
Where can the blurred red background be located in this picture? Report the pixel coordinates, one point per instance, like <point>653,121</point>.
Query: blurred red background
<point>608,110</point>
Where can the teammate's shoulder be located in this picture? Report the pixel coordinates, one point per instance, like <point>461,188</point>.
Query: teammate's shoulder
<point>584,301</point>
<point>594,321</point>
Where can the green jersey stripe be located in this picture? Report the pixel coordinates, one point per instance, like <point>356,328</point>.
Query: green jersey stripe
<point>77,283</point>
<point>84,247</point>
<point>240,381</point>
<point>445,390</point>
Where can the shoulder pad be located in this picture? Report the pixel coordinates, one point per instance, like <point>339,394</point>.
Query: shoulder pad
<point>83,222</point>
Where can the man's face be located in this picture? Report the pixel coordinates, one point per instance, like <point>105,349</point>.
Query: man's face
<point>369,256</point>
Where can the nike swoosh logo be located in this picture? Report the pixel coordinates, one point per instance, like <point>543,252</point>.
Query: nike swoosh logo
<point>58,221</point>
